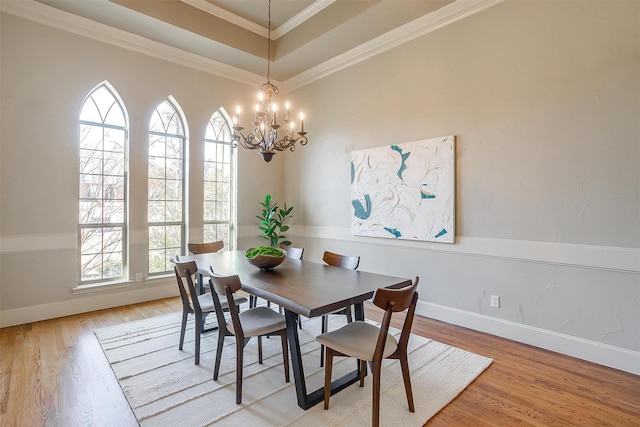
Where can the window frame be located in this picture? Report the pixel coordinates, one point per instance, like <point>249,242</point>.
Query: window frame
<point>182,222</point>
<point>225,131</point>
<point>123,225</point>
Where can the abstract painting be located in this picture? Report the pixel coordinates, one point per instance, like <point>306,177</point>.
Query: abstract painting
<point>405,191</point>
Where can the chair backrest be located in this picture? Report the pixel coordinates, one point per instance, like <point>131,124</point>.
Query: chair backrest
<point>393,301</point>
<point>205,248</point>
<point>342,261</point>
<point>184,275</point>
<point>225,285</point>
<point>293,253</point>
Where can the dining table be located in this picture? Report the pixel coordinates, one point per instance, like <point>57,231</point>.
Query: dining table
<point>302,288</point>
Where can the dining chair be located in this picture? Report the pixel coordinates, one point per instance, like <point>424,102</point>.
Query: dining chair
<point>349,262</point>
<point>205,248</point>
<point>253,322</point>
<point>193,303</point>
<point>370,343</point>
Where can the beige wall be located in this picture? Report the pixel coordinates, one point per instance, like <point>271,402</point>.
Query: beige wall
<point>544,100</point>
<point>46,74</point>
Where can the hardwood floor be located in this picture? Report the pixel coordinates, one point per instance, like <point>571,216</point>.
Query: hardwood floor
<point>53,373</point>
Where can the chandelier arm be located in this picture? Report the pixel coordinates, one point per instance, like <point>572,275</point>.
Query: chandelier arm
<point>246,141</point>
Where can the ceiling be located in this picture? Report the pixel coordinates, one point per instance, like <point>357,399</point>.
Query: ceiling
<point>310,38</point>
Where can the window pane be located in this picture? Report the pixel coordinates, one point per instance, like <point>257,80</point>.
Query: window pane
<point>156,211</point>
<point>157,189</point>
<point>174,211</point>
<point>156,167</point>
<point>174,190</point>
<point>90,212</point>
<point>90,161</point>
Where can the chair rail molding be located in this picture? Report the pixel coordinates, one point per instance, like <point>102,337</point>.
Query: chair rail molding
<point>567,254</point>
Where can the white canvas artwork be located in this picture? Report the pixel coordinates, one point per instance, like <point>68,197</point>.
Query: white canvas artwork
<point>405,191</point>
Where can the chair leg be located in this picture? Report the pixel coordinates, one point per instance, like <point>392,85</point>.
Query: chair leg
<point>285,354</point>
<point>376,367</point>
<point>198,331</point>
<point>183,328</point>
<point>404,365</point>
<point>221,336</point>
<point>260,350</point>
<point>239,363</point>
<point>327,377</point>
<point>363,364</point>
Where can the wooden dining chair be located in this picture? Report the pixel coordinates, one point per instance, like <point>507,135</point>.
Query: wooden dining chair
<point>205,248</point>
<point>343,261</point>
<point>253,322</point>
<point>293,253</point>
<point>370,343</point>
<point>193,303</point>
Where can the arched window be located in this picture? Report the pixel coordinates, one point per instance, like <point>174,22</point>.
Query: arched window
<point>166,186</point>
<point>102,144</point>
<point>219,181</point>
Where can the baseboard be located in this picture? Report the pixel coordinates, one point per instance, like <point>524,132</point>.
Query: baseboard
<point>97,301</point>
<point>602,354</point>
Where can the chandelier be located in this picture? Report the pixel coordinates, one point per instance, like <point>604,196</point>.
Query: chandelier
<point>265,123</point>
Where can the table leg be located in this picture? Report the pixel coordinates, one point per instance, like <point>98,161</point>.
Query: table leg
<point>307,400</point>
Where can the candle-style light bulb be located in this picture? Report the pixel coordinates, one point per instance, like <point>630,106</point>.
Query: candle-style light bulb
<point>287,105</point>
<point>301,122</point>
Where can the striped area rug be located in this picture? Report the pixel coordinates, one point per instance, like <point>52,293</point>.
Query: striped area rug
<point>165,388</point>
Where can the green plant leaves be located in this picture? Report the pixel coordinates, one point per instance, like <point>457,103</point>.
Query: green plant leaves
<point>272,222</point>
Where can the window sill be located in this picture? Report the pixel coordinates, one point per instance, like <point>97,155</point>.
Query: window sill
<point>98,287</point>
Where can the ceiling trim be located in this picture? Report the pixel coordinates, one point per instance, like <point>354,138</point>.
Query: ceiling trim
<point>47,15</point>
<point>300,18</point>
<point>50,16</point>
<point>248,25</point>
<point>221,13</point>
<point>440,18</point>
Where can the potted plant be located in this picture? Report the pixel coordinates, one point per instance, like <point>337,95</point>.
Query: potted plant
<point>272,222</point>
<point>272,225</point>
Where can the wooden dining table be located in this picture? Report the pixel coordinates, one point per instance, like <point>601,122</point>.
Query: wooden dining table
<point>302,288</point>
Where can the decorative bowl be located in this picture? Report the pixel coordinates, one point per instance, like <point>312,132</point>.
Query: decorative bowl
<point>266,262</point>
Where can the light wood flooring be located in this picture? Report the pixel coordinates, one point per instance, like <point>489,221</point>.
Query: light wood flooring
<point>53,373</point>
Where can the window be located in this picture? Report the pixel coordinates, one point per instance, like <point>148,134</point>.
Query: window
<point>166,186</point>
<point>102,186</point>
<point>219,182</point>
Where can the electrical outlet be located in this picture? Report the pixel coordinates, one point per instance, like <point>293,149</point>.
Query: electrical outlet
<point>495,301</point>
<point>138,277</point>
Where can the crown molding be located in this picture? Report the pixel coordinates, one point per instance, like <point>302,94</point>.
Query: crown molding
<point>46,15</point>
<point>55,18</point>
<point>440,18</point>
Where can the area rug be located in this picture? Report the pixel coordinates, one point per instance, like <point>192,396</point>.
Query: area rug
<point>165,388</point>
